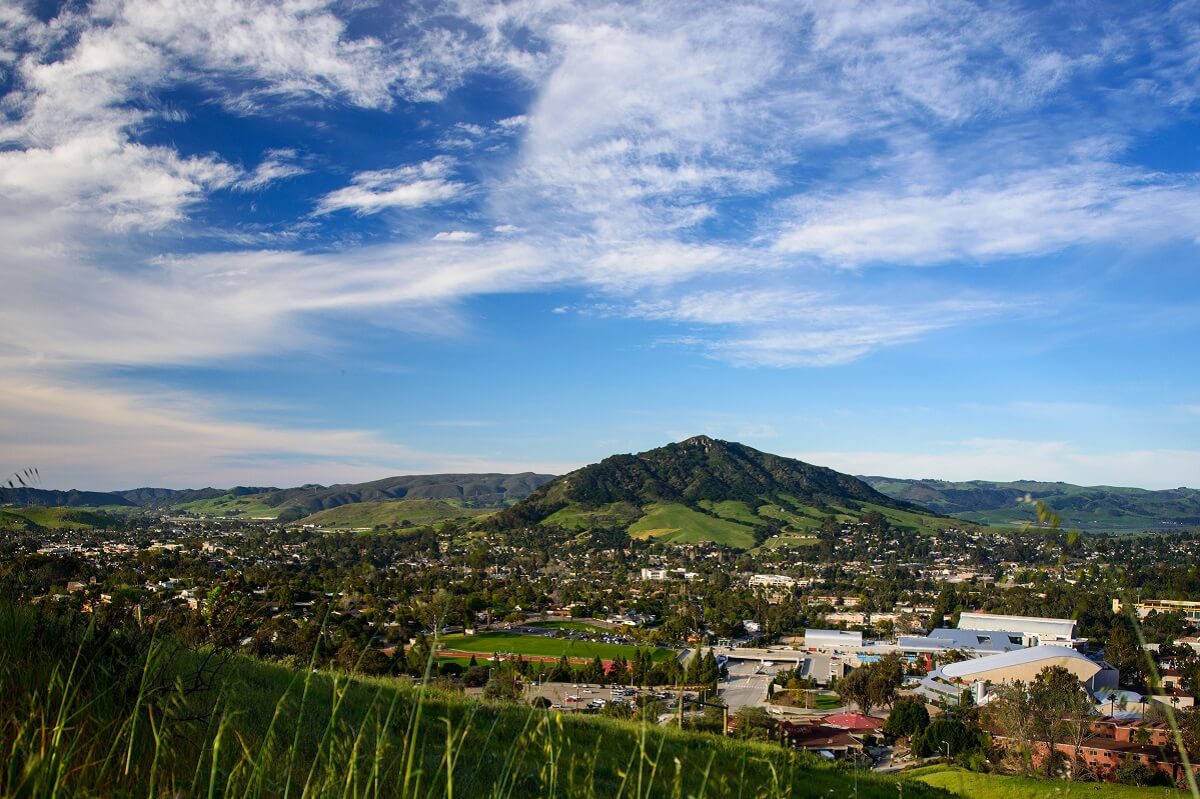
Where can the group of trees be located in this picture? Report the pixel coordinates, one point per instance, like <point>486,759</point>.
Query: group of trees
<point>1052,709</point>
<point>873,685</point>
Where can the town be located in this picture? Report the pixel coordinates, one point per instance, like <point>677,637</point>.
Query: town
<point>868,643</point>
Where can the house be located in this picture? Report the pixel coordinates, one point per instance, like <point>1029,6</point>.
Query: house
<point>828,741</point>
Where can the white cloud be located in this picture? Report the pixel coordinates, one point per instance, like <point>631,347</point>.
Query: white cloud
<point>505,230</point>
<point>187,310</point>
<point>1026,213</point>
<point>104,437</point>
<point>1004,460</point>
<point>412,186</point>
<point>276,165</point>
<point>783,328</point>
<point>455,235</point>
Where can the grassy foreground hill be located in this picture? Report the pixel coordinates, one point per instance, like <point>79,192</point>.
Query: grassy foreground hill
<point>106,711</point>
<point>703,489</point>
<point>1098,508</point>
<point>39,518</point>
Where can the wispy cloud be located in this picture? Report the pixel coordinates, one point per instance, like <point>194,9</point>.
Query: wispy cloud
<point>412,186</point>
<point>788,329</point>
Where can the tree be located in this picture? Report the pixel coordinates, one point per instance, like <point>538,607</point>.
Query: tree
<point>948,736</point>
<point>419,655</point>
<point>1055,694</point>
<point>1123,651</point>
<point>1011,711</point>
<point>908,717</point>
<point>855,688</point>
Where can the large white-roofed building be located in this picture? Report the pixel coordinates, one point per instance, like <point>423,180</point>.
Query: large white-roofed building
<point>1019,665</point>
<point>833,640</point>
<point>1034,630</point>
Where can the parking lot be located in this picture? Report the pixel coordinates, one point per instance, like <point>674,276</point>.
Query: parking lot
<point>564,696</point>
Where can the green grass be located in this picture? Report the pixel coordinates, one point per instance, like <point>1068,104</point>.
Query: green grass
<point>576,517</point>
<point>248,506</point>
<point>574,626</point>
<point>679,524</point>
<point>518,644</point>
<point>361,515</point>
<point>80,715</point>
<point>993,786</point>
<point>733,510</point>
<point>40,518</point>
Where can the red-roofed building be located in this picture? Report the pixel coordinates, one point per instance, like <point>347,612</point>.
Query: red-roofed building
<point>855,722</point>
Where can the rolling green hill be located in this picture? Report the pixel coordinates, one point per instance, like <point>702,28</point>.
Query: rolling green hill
<point>372,514</point>
<point>1097,508</point>
<point>291,504</point>
<point>703,489</point>
<point>38,518</point>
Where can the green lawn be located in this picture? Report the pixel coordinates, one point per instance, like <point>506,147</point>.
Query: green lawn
<point>679,524</point>
<point>991,786</point>
<point>574,626</point>
<point>517,644</point>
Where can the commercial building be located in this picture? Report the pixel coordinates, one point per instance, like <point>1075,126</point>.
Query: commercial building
<point>948,682</point>
<point>1033,630</point>
<point>1189,610</point>
<point>833,640</point>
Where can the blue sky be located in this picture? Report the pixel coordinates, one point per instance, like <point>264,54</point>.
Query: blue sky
<point>277,243</point>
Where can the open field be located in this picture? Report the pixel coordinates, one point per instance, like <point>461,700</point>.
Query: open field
<point>574,626</point>
<point>545,646</point>
<point>994,786</point>
<point>360,515</point>
<point>679,524</point>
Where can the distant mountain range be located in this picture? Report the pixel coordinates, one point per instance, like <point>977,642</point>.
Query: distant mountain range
<point>1095,508</point>
<point>463,490</point>
<point>698,489</point>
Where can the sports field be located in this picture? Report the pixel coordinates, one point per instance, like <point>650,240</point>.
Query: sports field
<point>536,645</point>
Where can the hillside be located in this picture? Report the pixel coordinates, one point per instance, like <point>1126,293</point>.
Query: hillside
<point>703,489</point>
<point>39,518</point>
<point>398,513</point>
<point>290,504</point>
<point>268,731</point>
<point>1097,508</point>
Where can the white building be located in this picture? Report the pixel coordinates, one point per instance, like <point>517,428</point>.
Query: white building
<point>772,581</point>
<point>833,640</point>
<point>1034,630</point>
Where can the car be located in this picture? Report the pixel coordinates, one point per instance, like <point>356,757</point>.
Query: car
<point>572,698</point>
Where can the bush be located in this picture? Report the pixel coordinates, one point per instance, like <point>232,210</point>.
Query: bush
<point>908,717</point>
<point>1131,772</point>
<point>948,736</point>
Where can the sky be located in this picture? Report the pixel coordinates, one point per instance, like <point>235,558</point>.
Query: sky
<point>276,243</point>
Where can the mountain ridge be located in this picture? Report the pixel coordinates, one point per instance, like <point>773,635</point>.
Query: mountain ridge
<point>704,489</point>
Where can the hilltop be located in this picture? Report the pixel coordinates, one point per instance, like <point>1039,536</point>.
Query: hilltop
<point>705,489</point>
<point>1097,508</point>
